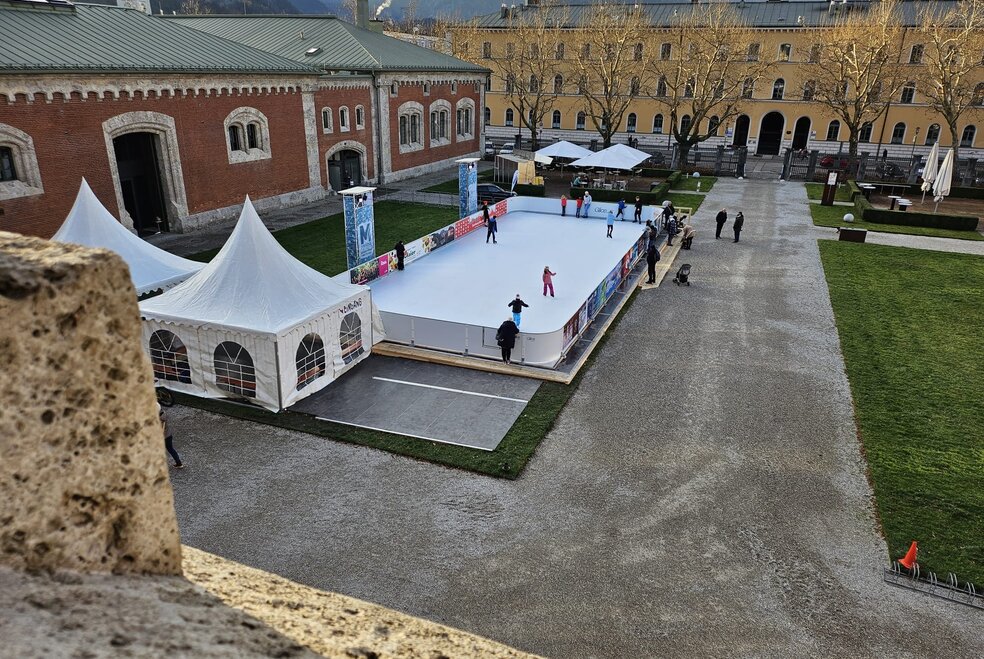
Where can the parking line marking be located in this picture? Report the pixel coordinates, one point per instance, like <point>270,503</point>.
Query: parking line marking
<point>456,391</point>
<point>401,433</point>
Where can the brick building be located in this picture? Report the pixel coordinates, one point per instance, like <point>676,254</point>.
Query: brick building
<point>173,121</point>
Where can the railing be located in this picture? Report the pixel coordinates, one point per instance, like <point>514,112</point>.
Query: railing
<point>952,590</point>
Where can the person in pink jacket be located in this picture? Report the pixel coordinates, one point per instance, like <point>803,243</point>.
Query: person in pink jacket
<point>548,281</point>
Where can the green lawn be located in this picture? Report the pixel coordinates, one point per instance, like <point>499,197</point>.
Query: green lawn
<point>321,243</point>
<point>815,191</point>
<point>833,216</point>
<point>910,328</point>
<point>685,200</point>
<point>706,183</point>
<point>451,187</point>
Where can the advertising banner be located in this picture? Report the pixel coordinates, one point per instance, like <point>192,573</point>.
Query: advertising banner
<point>467,187</point>
<point>360,239</point>
<point>466,225</point>
<point>611,281</point>
<point>573,327</point>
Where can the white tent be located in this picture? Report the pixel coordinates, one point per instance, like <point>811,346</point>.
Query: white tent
<point>151,268</point>
<point>617,156</point>
<point>564,149</point>
<point>257,324</point>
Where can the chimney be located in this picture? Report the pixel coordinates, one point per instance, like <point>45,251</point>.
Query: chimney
<point>504,11</point>
<point>377,25</point>
<point>362,14</point>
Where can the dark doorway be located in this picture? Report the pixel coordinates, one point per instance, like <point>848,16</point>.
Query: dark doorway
<point>801,134</point>
<point>770,134</point>
<point>741,130</point>
<point>138,164</point>
<point>345,170</point>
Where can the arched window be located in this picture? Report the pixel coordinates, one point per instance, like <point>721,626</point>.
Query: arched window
<point>785,52</point>
<point>556,119</point>
<point>637,52</point>
<point>865,134</point>
<point>234,370</point>
<point>635,86</point>
<point>978,94</point>
<point>488,116</point>
<point>169,357</point>
<point>440,114</point>
<point>464,112</point>
<point>688,89</point>
<point>411,116</point>
<point>580,121</point>
<point>558,84</point>
<point>685,124</point>
<point>967,138</point>
<point>8,172</point>
<point>247,135</point>
<point>933,134</point>
<point>661,87</point>
<point>778,89</point>
<point>908,92</point>
<point>630,123</point>
<point>343,119</point>
<point>19,172</point>
<point>236,138</point>
<point>747,88</point>
<point>898,133</point>
<point>712,126</point>
<point>833,130</point>
<point>310,360</point>
<point>658,124</point>
<point>326,123</point>
<point>252,136</point>
<point>360,117</point>
<point>350,337</point>
<point>509,117</point>
<point>809,89</point>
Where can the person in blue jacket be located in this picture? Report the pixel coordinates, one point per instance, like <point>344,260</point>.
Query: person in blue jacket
<point>621,210</point>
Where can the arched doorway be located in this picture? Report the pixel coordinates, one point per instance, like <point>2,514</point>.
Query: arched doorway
<point>770,134</point>
<point>801,134</point>
<point>741,130</point>
<point>344,169</point>
<point>139,170</point>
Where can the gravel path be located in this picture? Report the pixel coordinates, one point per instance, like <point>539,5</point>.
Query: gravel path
<point>700,498</point>
<point>917,242</point>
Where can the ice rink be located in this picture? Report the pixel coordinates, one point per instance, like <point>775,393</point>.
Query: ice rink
<point>471,282</point>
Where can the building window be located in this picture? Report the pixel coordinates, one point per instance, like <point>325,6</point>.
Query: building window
<point>488,116</point>
<point>688,89</point>
<point>464,118</point>
<point>753,52</point>
<point>560,51</point>
<point>876,90</point>
<point>833,129</point>
<point>411,116</point>
<point>558,84</point>
<point>685,124</point>
<point>252,136</point>
<point>394,89</point>
<point>658,124</point>
<point>326,123</point>
<point>747,88</point>
<point>510,83</point>
<point>350,337</point>
<point>637,52</point>
<point>169,357</point>
<point>712,126</point>
<point>661,87</point>
<point>534,85</point>
<point>630,123</point>
<point>809,89</point>
<point>582,85</point>
<point>234,370</point>
<point>898,133</point>
<point>556,119</point>
<point>580,121</point>
<point>343,119</point>
<point>310,360</point>
<point>247,135</point>
<point>815,51</point>
<point>865,134</point>
<point>778,89</point>
<point>586,51</point>
<point>19,172</point>
<point>933,134</point>
<point>454,87</point>
<point>665,51</point>
<point>509,117</point>
<point>427,89</point>
<point>510,50</point>
<point>236,137</point>
<point>967,138</point>
<point>487,50</point>
<point>978,95</point>
<point>440,112</point>
<point>360,117</point>
<point>916,54</point>
<point>635,86</point>
<point>785,52</point>
<point>908,92</point>
<point>8,172</point>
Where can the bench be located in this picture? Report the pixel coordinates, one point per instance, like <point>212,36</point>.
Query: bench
<point>904,204</point>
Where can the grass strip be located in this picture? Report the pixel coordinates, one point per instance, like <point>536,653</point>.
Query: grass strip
<point>690,184</point>
<point>910,329</point>
<point>833,216</point>
<point>815,191</point>
<point>685,200</point>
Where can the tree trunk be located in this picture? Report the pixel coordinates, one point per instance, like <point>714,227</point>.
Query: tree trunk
<point>955,143</point>
<point>683,149</point>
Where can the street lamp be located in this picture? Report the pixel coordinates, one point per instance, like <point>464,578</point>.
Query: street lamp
<point>914,139</point>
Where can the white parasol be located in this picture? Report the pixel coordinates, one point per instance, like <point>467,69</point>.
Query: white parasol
<point>941,185</point>
<point>929,171</point>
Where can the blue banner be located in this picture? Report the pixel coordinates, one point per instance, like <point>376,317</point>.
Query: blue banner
<point>360,237</point>
<point>467,188</point>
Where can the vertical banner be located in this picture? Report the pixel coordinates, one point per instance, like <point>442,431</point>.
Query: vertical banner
<point>360,226</point>
<point>467,186</point>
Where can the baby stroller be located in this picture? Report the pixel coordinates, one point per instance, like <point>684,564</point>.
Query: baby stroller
<point>683,275</point>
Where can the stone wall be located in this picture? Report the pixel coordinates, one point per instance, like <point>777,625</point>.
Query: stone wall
<point>83,477</point>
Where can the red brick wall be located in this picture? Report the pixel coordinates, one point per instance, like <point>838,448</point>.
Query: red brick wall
<point>69,143</point>
<point>427,154</point>
<point>350,98</point>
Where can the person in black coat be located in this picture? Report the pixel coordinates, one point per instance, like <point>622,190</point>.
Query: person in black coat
<point>739,223</point>
<point>638,211</point>
<point>485,210</point>
<point>652,257</point>
<point>506,338</point>
<point>517,308</point>
<point>401,252</point>
<point>720,218</point>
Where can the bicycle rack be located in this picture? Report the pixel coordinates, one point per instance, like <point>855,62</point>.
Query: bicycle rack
<point>952,590</point>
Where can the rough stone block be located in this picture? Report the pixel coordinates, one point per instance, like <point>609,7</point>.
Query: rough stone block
<point>83,477</point>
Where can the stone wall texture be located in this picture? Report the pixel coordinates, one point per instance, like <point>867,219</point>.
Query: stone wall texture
<point>83,477</point>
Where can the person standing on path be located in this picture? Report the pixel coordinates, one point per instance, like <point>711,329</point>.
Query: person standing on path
<point>401,252</point>
<point>578,202</point>
<point>493,229</point>
<point>652,257</point>
<point>671,229</point>
<point>563,205</point>
<point>739,223</point>
<point>611,223</point>
<point>169,439</point>
<point>720,218</point>
<point>587,203</point>
<point>548,280</point>
<point>517,309</point>
<point>506,338</point>
<point>621,210</point>
<point>638,210</point>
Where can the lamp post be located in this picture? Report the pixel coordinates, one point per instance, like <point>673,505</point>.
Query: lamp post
<point>915,138</point>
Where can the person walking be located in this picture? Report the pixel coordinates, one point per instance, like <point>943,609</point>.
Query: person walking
<point>739,223</point>
<point>578,202</point>
<point>505,336</point>
<point>720,218</point>
<point>587,203</point>
<point>638,210</point>
<point>621,210</point>
<point>548,280</point>
<point>652,258</point>
<point>671,229</point>
<point>493,228</point>
<point>563,205</point>
<point>611,223</point>
<point>401,252</point>
<point>169,438</point>
<point>517,309</point>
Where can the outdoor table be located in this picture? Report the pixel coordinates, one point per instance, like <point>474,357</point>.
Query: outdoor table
<point>904,204</point>
<point>866,190</point>
<point>894,198</point>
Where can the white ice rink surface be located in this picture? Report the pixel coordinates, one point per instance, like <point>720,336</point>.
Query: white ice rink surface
<point>471,282</point>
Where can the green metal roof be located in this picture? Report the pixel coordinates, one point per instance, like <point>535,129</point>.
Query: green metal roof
<point>105,38</point>
<point>342,46</point>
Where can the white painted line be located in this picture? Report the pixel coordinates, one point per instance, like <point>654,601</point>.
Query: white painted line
<point>402,434</point>
<point>456,391</point>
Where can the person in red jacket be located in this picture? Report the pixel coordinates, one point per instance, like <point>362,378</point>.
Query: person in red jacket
<point>580,202</point>
<point>563,205</point>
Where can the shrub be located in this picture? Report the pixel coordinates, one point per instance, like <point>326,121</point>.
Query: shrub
<point>532,190</point>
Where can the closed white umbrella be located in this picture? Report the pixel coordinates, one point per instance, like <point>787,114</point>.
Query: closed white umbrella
<point>929,171</point>
<point>941,186</point>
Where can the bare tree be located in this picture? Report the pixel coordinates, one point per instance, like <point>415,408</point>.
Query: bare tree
<point>855,65</point>
<point>949,79</point>
<point>705,66</point>
<point>194,7</point>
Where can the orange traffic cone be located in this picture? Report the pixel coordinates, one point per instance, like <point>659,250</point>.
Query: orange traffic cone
<point>910,557</point>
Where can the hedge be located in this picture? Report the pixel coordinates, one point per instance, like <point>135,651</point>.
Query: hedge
<point>865,211</point>
<point>654,198</point>
<point>531,190</point>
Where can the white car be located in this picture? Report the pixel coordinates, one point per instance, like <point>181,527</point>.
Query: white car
<point>506,150</point>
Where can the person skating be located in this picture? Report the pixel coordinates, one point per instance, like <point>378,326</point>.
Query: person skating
<point>401,252</point>
<point>563,205</point>
<point>169,439</point>
<point>652,257</point>
<point>739,223</point>
<point>506,338</point>
<point>548,280</point>
<point>493,228</point>
<point>587,204</point>
<point>611,223</point>
<point>517,309</point>
<point>720,218</point>
<point>638,210</point>
<point>578,203</point>
<point>621,210</point>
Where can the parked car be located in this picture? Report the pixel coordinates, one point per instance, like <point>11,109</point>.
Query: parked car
<point>506,150</point>
<point>832,162</point>
<point>492,193</point>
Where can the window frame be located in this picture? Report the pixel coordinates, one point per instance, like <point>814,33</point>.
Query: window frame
<point>327,121</point>
<point>908,94</point>
<point>240,120</point>
<point>779,89</point>
<point>896,137</point>
<point>360,117</point>
<point>410,135</point>
<point>833,127</point>
<point>509,118</point>
<point>659,116</point>
<point>555,119</point>
<point>964,142</point>
<point>344,120</point>
<point>933,136</point>
<point>785,53</point>
<point>581,120</point>
<point>631,122</point>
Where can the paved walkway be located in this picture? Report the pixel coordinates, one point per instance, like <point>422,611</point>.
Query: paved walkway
<point>915,242</point>
<point>702,498</point>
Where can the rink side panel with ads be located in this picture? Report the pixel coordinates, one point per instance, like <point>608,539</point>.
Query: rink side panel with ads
<point>454,296</point>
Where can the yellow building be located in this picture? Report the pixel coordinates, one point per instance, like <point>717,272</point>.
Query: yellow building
<point>779,113</point>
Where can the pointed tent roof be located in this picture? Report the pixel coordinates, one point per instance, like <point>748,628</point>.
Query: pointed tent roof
<point>91,225</point>
<point>252,284</point>
<point>617,156</point>
<point>564,149</point>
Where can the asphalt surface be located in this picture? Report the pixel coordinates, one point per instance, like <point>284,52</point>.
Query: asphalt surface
<point>703,493</point>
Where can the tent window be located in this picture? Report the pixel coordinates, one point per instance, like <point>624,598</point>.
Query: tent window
<point>350,337</point>
<point>310,360</point>
<point>169,357</point>
<point>234,370</point>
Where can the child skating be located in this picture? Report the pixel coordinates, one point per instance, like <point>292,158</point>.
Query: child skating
<point>517,309</point>
<point>548,281</point>
<point>611,223</point>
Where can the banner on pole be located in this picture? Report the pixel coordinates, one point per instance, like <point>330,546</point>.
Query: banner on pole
<point>467,186</point>
<point>360,225</point>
